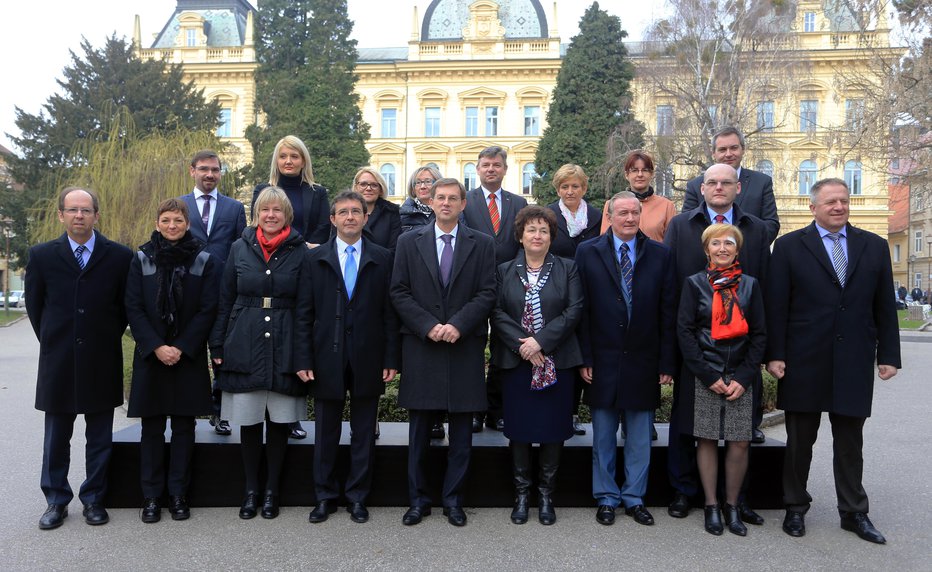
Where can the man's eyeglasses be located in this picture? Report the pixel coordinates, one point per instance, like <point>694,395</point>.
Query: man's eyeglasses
<point>73,211</point>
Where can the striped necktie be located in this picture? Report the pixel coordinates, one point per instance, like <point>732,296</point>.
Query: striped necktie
<point>838,257</point>
<point>79,255</point>
<point>627,270</point>
<point>493,214</point>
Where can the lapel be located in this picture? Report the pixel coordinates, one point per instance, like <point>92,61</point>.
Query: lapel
<point>101,244</point>
<point>480,211</point>
<point>813,242</point>
<point>426,247</point>
<point>197,227</point>
<point>464,245</point>
<point>374,215</point>
<point>745,185</point>
<point>520,264</point>
<point>856,245</point>
<point>506,210</point>
<point>219,207</point>
<point>63,248</point>
<point>606,249</point>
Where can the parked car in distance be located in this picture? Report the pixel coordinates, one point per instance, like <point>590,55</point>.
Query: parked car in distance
<point>16,298</point>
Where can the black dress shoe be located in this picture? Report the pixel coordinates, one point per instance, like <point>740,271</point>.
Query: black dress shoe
<point>578,429</point>
<point>733,520</point>
<point>378,430</point>
<point>499,424</point>
<point>222,427</point>
<point>713,520</point>
<point>653,432</point>
<point>640,514</point>
<point>250,505</point>
<point>95,515</point>
<point>455,515</point>
<point>748,515</point>
<point>679,508</point>
<point>151,511</point>
<point>758,437</point>
<point>178,508</point>
<point>269,505</point>
<point>322,511</point>
<point>414,515</point>
<point>476,424</point>
<point>358,512</point>
<point>297,432</point>
<point>794,523</point>
<point>437,431</point>
<point>858,523</point>
<point>605,514</point>
<point>53,517</point>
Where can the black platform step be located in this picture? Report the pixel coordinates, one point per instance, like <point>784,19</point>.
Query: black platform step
<point>218,470</point>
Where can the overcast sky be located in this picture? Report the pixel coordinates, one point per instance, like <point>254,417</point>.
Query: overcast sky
<point>35,43</point>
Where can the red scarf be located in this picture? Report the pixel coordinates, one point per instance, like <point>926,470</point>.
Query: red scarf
<point>269,246</point>
<point>727,318</point>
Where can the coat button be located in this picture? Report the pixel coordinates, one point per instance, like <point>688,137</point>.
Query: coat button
<point>80,310</point>
<point>268,319</point>
<point>840,338</point>
<point>79,341</point>
<point>268,335</point>
<point>268,271</point>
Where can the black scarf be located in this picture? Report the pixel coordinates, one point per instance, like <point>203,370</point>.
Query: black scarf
<point>171,262</point>
<point>644,195</point>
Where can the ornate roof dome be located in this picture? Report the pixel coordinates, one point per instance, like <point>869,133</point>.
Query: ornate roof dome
<point>445,19</point>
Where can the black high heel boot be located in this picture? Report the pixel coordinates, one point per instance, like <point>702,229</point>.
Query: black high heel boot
<point>521,468</point>
<point>549,463</point>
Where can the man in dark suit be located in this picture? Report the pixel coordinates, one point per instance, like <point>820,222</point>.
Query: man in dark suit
<point>756,188</point>
<point>492,210</point>
<point>75,287</point>
<point>355,350</point>
<point>443,288</point>
<point>830,318</point>
<point>684,236</point>
<point>626,336</point>
<point>217,221</point>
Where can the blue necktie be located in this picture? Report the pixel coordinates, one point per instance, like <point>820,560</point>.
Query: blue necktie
<point>627,270</point>
<point>349,271</point>
<point>79,255</point>
<point>838,258</point>
<point>446,259</point>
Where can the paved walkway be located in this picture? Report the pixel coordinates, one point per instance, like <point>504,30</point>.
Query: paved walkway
<point>898,460</point>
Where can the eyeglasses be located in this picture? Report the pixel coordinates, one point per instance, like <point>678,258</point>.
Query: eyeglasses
<point>73,211</point>
<point>714,183</point>
<point>640,171</point>
<point>371,186</point>
<point>423,182</point>
<point>207,169</point>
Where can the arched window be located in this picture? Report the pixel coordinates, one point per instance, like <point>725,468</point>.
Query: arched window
<point>388,173</point>
<point>853,176</point>
<point>470,177</point>
<point>765,167</point>
<point>528,178</point>
<point>807,176</point>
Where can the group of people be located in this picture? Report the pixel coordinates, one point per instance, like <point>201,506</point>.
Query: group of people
<point>334,300</point>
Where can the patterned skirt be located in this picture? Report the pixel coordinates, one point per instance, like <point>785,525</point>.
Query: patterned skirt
<point>715,418</point>
<point>250,408</point>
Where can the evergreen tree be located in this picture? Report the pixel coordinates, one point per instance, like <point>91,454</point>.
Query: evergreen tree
<point>591,107</point>
<point>304,87</point>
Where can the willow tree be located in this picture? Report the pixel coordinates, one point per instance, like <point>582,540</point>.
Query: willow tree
<point>132,172</point>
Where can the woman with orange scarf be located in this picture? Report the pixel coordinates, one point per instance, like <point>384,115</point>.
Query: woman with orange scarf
<point>261,343</point>
<point>722,337</point>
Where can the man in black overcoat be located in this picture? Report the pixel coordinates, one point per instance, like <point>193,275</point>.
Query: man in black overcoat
<point>720,189</point>
<point>756,197</point>
<point>75,288</point>
<point>355,350</point>
<point>443,288</point>
<point>217,221</point>
<point>830,319</point>
<point>492,210</point>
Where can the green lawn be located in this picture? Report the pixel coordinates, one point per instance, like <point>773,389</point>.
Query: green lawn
<point>7,317</point>
<point>908,324</point>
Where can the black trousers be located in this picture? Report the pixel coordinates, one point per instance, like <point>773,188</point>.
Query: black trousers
<point>328,426</point>
<point>56,457</point>
<point>493,389</point>
<point>460,441</point>
<point>681,457</point>
<point>848,462</point>
<point>152,455</point>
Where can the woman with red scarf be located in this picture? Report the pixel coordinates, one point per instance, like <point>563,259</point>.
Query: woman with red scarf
<point>261,341</point>
<point>722,337</point>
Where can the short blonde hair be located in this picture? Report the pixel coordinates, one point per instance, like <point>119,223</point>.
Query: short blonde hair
<point>567,172</point>
<point>270,195</point>
<point>719,230</point>
<point>383,187</point>
<point>292,142</point>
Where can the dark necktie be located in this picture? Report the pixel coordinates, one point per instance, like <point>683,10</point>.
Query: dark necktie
<point>719,219</point>
<point>205,213</point>
<point>627,270</point>
<point>79,255</point>
<point>446,259</point>
<point>349,271</point>
<point>493,214</point>
<point>838,257</point>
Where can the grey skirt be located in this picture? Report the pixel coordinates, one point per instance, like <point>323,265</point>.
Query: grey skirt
<point>249,408</point>
<point>715,418</point>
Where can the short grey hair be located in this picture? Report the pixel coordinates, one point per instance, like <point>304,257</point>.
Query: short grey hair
<point>817,187</point>
<point>622,195</point>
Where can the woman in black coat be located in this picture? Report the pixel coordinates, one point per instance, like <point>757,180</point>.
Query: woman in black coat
<point>577,221</point>
<point>534,322</point>
<point>384,224</point>
<point>171,303</point>
<point>415,212</point>
<point>262,341</point>
<point>292,172</point>
<point>722,337</point>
